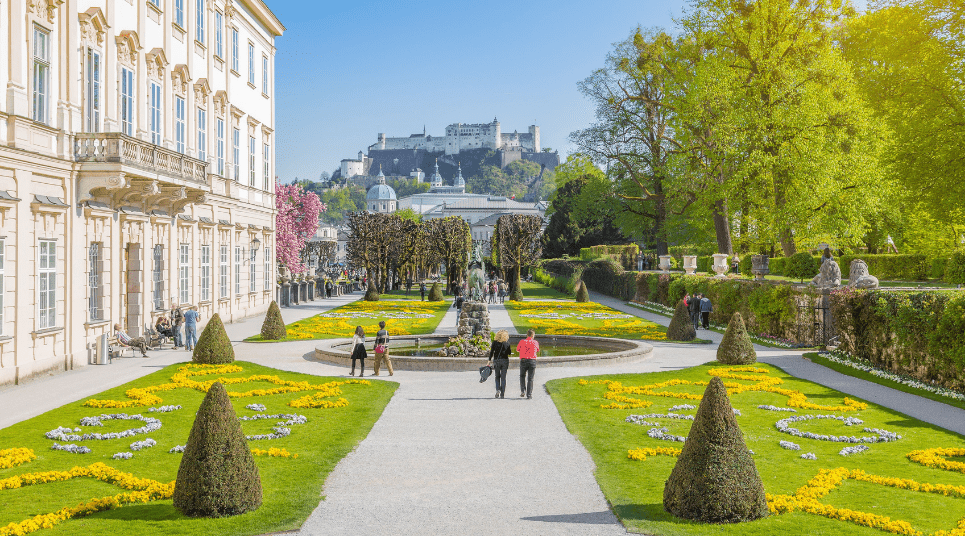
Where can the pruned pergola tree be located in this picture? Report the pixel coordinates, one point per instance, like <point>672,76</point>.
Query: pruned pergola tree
<point>517,242</point>
<point>451,240</point>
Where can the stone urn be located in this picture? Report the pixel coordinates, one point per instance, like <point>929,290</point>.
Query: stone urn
<point>690,264</point>
<point>760,266</point>
<point>720,265</point>
<point>665,263</point>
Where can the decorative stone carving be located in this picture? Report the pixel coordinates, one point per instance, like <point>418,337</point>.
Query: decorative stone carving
<point>180,78</point>
<point>829,276</point>
<point>46,9</point>
<point>128,46</point>
<point>760,266</point>
<point>252,125</point>
<point>860,277</point>
<point>220,102</point>
<point>201,92</point>
<point>720,265</point>
<point>93,26</point>
<point>690,264</point>
<point>156,63</point>
<point>665,263</point>
<point>92,186</point>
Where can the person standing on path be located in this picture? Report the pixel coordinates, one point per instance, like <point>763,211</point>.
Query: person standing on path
<point>705,309</point>
<point>358,350</point>
<point>177,318</point>
<point>499,360</point>
<point>191,328</point>
<point>527,349</point>
<point>735,265</point>
<point>382,350</point>
<point>693,308</point>
<point>457,303</point>
<point>422,290</point>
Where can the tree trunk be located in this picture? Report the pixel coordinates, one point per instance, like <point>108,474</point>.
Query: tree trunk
<point>660,222</point>
<point>722,228</point>
<point>515,285</point>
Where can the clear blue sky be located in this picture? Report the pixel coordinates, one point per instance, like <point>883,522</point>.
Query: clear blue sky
<point>347,70</point>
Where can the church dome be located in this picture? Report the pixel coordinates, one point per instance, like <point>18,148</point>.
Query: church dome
<point>381,191</point>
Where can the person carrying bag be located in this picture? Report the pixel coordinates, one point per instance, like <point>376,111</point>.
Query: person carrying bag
<point>382,350</point>
<point>358,350</point>
<point>499,360</point>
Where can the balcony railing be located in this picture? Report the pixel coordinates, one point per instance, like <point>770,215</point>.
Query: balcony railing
<point>120,148</point>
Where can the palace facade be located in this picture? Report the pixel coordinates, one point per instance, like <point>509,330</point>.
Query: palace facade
<point>136,170</point>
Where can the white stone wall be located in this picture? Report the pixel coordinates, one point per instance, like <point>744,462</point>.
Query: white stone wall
<point>461,137</point>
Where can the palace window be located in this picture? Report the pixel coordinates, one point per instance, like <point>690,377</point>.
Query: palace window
<point>179,125</point>
<point>238,270</point>
<point>219,127</point>
<point>179,12</point>
<point>236,141</point>
<point>199,24</point>
<point>218,34</point>
<point>155,112</point>
<point>47,273</point>
<point>267,160</point>
<point>93,91</point>
<point>158,277</point>
<point>184,272</point>
<point>2,286</point>
<point>41,74</point>
<point>127,101</point>
<point>94,311</point>
<point>202,135</point>
<point>223,272</point>
<point>252,270</point>
<point>267,267</point>
<point>234,50</point>
<point>251,63</point>
<point>264,75</point>
<point>251,161</point>
<point>205,273</point>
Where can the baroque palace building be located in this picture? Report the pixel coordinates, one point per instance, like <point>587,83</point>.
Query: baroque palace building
<point>136,170</point>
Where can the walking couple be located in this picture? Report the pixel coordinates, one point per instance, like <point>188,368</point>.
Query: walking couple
<point>527,349</point>
<point>381,350</point>
<point>699,307</point>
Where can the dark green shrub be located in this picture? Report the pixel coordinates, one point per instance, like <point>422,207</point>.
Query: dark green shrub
<point>772,305</point>
<point>371,293</point>
<point>955,269</point>
<point>273,327</point>
<point>744,267</point>
<point>715,479</point>
<point>937,270</point>
<point>948,340</point>
<point>582,295</point>
<point>681,327</point>
<point>736,348</point>
<point>802,266</point>
<point>643,288</point>
<point>213,346</point>
<point>435,292</point>
<point>602,275</point>
<point>777,265</point>
<point>890,267</point>
<point>217,476</point>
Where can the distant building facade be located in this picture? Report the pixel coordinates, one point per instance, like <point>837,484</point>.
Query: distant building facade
<point>463,136</point>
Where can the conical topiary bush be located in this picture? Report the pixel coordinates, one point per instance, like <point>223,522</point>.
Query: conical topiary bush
<point>736,348</point>
<point>273,328</point>
<point>213,346</point>
<point>681,328</point>
<point>371,294</point>
<point>435,293</point>
<point>582,294</point>
<point>715,479</point>
<point>217,476</point>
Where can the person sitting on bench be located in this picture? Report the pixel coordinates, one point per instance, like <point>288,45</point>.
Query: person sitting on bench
<point>163,326</point>
<point>126,340</point>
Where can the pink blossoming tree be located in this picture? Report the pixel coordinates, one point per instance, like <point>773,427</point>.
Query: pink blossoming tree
<point>295,224</point>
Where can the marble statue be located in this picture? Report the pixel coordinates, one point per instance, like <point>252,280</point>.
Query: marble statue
<point>858,276</point>
<point>830,274</point>
<point>477,273</point>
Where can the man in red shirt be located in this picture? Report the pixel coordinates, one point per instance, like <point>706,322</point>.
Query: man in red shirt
<point>528,349</point>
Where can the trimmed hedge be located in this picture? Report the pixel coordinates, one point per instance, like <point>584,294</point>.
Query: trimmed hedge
<point>214,347</point>
<point>435,293</point>
<point>681,327</point>
<point>582,295</point>
<point>564,284</point>
<point>890,267</point>
<point>273,327</point>
<point>955,269</point>
<point>736,348</point>
<point>608,277</point>
<point>919,334</point>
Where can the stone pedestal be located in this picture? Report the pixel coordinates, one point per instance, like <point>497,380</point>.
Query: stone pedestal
<point>285,294</point>
<point>474,320</point>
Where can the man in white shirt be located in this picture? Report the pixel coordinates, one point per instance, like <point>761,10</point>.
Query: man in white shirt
<point>127,340</point>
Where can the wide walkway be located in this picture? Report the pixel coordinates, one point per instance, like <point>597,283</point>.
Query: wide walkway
<point>448,458</point>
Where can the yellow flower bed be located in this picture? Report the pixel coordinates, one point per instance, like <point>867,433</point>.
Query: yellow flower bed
<point>274,453</point>
<point>564,318</point>
<point>143,490</point>
<point>617,392</point>
<point>805,499</point>
<point>183,379</point>
<point>936,458</point>
<point>15,456</point>
<point>403,318</point>
<point>642,454</point>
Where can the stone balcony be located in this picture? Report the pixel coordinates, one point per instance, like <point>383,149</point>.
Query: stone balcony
<point>120,171</point>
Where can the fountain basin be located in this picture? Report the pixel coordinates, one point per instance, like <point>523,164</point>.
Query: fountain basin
<point>599,351</point>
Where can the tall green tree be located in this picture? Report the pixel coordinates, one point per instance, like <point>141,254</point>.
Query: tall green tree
<point>576,220</point>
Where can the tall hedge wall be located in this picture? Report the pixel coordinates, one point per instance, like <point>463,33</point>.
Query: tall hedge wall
<point>921,334</point>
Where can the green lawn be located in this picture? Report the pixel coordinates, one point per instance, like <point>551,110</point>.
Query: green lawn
<point>635,488</point>
<point>855,373</point>
<point>402,317</point>
<point>291,486</point>
<point>539,291</point>
<point>572,318</point>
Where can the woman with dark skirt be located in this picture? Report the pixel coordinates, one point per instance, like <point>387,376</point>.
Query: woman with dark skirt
<point>358,350</point>
<point>499,360</point>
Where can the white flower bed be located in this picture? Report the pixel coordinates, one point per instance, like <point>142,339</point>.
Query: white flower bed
<point>177,448</point>
<point>661,434</point>
<point>736,411</point>
<point>73,449</point>
<point>290,418</point>
<point>122,456</point>
<point>843,358</point>
<point>769,407</point>
<point>809,456</point>
<point>848,451</point>
<point>256,407</point>
<point>578,316</point>
<point>883,436</point>
<point>682,406</point>
<point>789,445</point>
<point>163,409</point>
<point>279,432</point>
<point>375,315</point>
<point>637,419</point>
<point>66,434</point>
<point>146,444</point>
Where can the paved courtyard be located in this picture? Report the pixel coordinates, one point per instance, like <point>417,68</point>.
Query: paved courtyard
<point>448,458</point>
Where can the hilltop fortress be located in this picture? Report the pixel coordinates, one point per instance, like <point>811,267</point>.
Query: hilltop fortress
<point>462,136</point>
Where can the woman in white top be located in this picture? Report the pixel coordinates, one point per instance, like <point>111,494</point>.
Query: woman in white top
<point>358,350</point>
